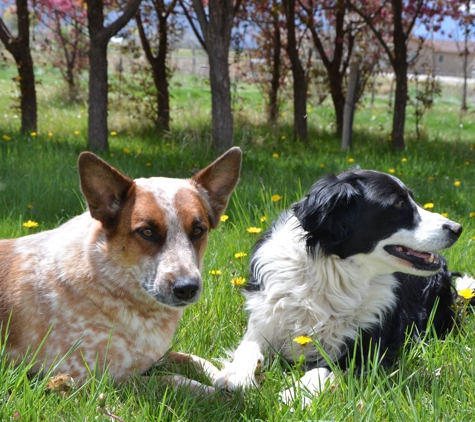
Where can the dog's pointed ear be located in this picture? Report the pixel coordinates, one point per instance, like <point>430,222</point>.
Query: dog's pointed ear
<point>329,211</point>
<point>103,187</point>
<point>219,180</point>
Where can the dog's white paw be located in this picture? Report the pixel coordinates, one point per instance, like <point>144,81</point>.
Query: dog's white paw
<point>311,384</point>
<point>234,377</point>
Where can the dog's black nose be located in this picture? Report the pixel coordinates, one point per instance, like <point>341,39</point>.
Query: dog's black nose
<point>455,228</point>
<point>185,288</point>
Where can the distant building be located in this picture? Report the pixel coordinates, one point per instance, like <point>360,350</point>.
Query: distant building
<point>443,57</point>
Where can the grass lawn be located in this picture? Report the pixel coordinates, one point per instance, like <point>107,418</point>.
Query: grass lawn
<point>38,181</point>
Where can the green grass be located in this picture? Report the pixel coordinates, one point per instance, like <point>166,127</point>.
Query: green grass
<point>38,177</point>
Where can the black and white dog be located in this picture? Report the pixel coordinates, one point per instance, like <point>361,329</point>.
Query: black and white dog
<point>355,258</point>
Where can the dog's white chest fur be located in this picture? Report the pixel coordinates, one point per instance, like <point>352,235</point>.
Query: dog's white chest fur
<point>326,298</point>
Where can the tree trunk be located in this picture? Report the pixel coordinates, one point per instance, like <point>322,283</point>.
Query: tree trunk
<point>338,98</point>
<point>298,74</point>
<point>400,66</point>
<point>276,64</point>
<point>161,82</point>
<point>98,82</point>
<point>98,96</point>
<point>19,48</point>
<point>349,107</point>
<point>222,115</point>
<point>216,39</point>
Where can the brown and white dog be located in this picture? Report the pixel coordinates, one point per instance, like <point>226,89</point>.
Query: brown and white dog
<point>117,278</point>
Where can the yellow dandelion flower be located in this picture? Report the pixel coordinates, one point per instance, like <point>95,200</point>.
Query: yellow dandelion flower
<point>404,160</point>
<point>321,165</point>
<point>239,255</point>
<point>33,134</point>
<point>351,160</point>
<point>238,281</point>
<point>224,217</point>
<point>445,214</point>
<point>215,272</point>
<point>473,237</point>
<point>390,137</point>
<point>6,137</point>
<point>471,215</point>
<point>275,155</point>
<point>457,183</point>
<point>30,224</point>
<point>113,133</point>
<point>254,230</point>
<point>466,293</point>
<point>148,164</point>
<point>30,207</point>
<point>50,134</point>
<point>76,132</point>
<point>128,132</point>
<point>431,178</point>
<point>467,163</point>
<point>275,198</point>
<point>283,137</point>
<point>302,340</point>
<point>127,150</point>
<point>428,206</point>
<point>392,171</point>
<point>284,113</point>
<point>263,218</point>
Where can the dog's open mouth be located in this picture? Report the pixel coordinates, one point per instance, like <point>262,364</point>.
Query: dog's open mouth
<point>427,261</point>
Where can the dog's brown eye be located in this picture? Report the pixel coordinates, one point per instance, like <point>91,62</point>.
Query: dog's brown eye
<point>198,232</point>
<point>399,204</point>
<point>147,233</point>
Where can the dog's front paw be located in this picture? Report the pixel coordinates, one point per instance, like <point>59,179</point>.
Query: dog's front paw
<point>311,384</point>
<point>235,377</point>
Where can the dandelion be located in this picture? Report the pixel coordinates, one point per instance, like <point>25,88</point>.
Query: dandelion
<point>467,293</point>
<point>284,114</point>
<point>224,217</point>
<point>471,215</point>
<point>263,219</point>
<point>113,133</point>
<point>33,134</point>
<point>254,230</point>
<point>30,224</point>
<point>303,340</point>
<point>431,178</point>
<point>215,272</point>
<point>275,155</point>
<point>445,214</point>
<point>239,255</point>
<point>473,237</point>
<point>457,183</point>
<point>392,171</point>
<point>428,206</point>
<point>30,207</point>
<point>467,163</point>
<point>76,132</point>
<point>148,164</point>
<point>128,132</point>
<point>351,160</point>
<point>275,198</point>
<point>238,281</point>
<point>50,134</point>
<point>404,160</point>
<point>321,165</point>
<point>390,138</point>
<point>127,150</point>
<point>283,137</point>
<point>6,137</point>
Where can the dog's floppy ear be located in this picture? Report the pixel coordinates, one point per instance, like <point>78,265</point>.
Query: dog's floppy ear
<point>103,187</point>
<point>219,179</point>
<point>329,211</point>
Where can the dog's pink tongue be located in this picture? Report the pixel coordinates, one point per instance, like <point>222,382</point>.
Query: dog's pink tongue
<point>423,255</point>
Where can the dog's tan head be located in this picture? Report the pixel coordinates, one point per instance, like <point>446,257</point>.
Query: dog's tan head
<point>156,229</point>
